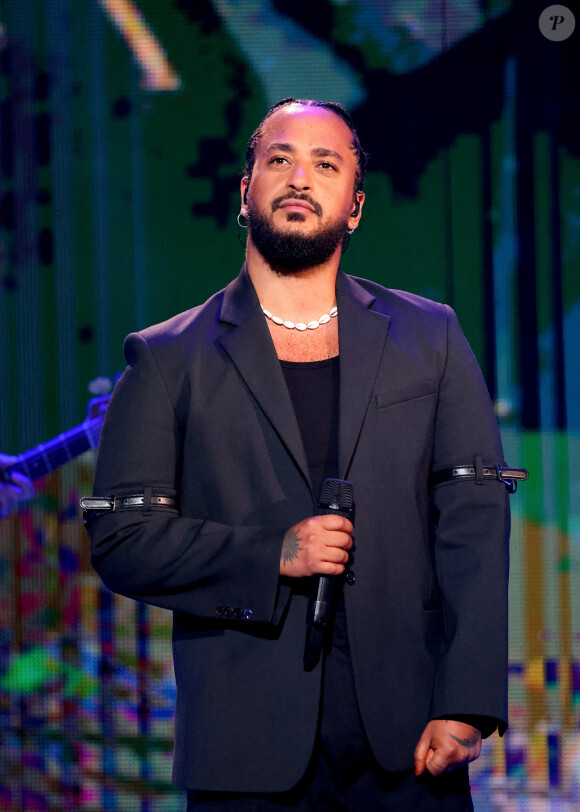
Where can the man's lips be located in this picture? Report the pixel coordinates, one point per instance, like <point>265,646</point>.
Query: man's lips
<point>297,203</point>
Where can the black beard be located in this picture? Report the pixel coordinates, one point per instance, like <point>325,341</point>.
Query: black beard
<point>287,251</point>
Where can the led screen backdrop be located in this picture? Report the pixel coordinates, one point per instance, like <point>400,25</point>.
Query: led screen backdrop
<point>122,132</point>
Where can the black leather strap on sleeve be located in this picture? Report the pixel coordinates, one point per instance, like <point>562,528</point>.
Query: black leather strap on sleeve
<point>509,476</point>
<point>94,506</point>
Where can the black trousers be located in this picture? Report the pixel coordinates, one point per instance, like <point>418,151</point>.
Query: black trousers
<point>343,774</point>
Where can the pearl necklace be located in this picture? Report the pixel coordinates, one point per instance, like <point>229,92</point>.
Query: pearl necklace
<point>312,325</point>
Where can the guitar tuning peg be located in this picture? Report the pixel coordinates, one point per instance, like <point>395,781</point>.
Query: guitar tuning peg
<point>100,386</point>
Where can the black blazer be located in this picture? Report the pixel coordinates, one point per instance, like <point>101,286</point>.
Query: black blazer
<point>202,412</point>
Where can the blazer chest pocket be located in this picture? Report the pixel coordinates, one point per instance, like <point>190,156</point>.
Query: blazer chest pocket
<point>400,395</point>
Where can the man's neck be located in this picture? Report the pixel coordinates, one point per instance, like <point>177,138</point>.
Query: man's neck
<point>301,295</point>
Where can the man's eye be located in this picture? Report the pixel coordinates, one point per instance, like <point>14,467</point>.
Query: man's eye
<point>327,165</point>
<point>278,159</point>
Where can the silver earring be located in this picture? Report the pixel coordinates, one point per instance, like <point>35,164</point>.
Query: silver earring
<point>350,231</point>
<point>242,225</point>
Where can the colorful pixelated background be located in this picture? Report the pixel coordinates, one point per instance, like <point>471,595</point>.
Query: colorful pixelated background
<point>122,131</point>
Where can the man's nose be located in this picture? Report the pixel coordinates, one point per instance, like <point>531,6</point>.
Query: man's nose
<point>300,178</point>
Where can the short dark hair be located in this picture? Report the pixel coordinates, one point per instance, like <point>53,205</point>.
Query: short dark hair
<point>334,107</point>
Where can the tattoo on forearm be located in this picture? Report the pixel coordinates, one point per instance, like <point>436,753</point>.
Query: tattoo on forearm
<point>470,742</point>
<point>290,546</point>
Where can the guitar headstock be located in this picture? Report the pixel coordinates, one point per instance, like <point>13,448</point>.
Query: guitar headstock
<point>97,406</point>
<point>102,388</point>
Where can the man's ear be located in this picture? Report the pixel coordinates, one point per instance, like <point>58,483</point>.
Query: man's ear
<point>244,186</point>
<point>356,212</point>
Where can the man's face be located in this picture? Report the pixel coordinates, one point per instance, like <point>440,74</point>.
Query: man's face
<point>301,196</point>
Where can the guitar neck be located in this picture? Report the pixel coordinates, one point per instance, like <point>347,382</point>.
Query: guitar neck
<point>47,456</point>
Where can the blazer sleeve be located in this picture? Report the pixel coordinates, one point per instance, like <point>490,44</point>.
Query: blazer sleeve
<point>187,564</point>
<point>471,544</point>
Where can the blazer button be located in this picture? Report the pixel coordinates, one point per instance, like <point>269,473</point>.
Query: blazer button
<point>228,611</point>
<point>238,614</point>
<point>219,610</point>
<point>248,614</point>
<point>350,577</point>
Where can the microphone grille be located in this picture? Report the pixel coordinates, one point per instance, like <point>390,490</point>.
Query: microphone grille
<point>337,493</point>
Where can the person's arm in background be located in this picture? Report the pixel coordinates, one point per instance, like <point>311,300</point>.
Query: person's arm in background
<point>13,490</point>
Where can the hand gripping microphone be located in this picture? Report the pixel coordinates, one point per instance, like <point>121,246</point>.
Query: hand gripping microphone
<point>336,497</point>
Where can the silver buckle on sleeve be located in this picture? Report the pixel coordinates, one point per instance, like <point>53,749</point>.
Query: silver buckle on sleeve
<point>510,476</point>
<point>97,503</point>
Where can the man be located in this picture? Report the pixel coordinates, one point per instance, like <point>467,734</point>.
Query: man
<point>13,489</point>
<point>223,427</point>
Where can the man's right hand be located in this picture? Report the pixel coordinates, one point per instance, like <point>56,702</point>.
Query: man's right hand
<point>16,488</point>
<point>318,545</point>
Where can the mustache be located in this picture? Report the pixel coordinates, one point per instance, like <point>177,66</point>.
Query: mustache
<point>317,208</point>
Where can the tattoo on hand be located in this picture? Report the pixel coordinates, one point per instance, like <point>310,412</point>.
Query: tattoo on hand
<point>290,546</point>
<point>470,742</point>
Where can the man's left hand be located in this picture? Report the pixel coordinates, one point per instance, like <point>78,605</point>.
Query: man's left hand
<point>446,744</point>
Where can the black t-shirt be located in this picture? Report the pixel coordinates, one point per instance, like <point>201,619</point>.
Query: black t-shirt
<point>314,391</point>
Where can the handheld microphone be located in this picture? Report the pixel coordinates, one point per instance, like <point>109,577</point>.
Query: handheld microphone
<point>336,497</point>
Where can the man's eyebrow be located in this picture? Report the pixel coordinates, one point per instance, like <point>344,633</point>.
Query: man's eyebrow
<point>322,152</point>
<point>280,148</point>
<point>319,152</point>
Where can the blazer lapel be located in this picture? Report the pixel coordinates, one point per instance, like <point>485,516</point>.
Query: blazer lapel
<point>250,347</point>
<point>362,335</point>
